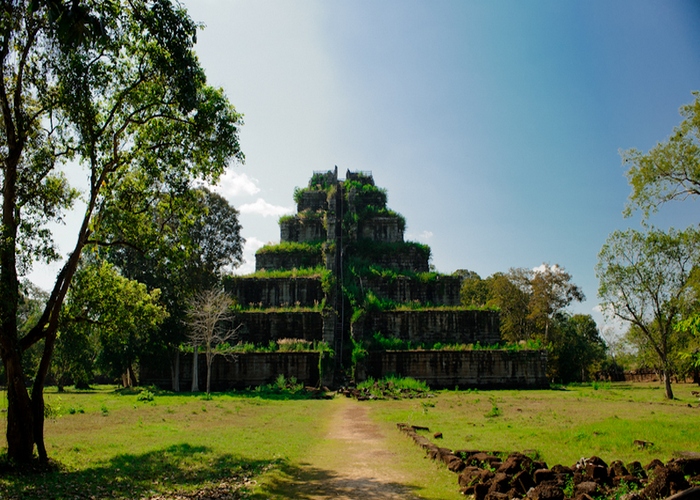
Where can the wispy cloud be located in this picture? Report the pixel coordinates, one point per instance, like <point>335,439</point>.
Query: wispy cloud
<point>424,236</point>
<point>234,184</point>
<point>261,207</point>
<point>252,244</point>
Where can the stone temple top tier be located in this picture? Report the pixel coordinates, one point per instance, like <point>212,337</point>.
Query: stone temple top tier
<point>338,217</point>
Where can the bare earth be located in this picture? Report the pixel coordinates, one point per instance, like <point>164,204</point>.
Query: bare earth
<point>351,463</point>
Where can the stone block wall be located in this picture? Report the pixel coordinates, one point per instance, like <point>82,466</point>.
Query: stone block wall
<point>459,326</point>
<point>404,258</point>
<point>496,369</point>
<point>239,372</point>
<point>302,229</point>
<point>313,200</point>
<point>386,229</point>
<point>289,260</point>
<point>444,290</point>
<point>260,327</point>
<point>274,292</point>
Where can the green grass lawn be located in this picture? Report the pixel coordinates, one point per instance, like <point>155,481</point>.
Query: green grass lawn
<point>560,425</point>
<point>111,444</point>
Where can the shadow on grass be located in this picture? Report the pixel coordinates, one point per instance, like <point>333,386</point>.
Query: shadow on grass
<point>306,482</point>
<point>178,468</point>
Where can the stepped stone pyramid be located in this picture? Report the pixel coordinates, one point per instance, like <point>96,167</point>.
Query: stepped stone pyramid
<point>343,277</point>
<point>342,273</point>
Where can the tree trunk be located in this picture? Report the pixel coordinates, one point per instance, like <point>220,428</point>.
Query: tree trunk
<point>175,371</point>
<point>20,428</point>
<point>666,374</point>
<point>195,370</point>
<point>209,358</point>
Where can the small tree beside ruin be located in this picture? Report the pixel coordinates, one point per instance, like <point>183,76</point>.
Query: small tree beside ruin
<point>210,323</point>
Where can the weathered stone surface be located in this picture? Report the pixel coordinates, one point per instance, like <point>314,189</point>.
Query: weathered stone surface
<point>313,200</point>
<point>435,325</point>
<point>542,475</point>
<point>444,290</point>
<point>522,482</point>
<point>653,465</point>
<point>635,468</point>
<point>500,482</point>
<point>597,473</point>
<point>470,476</point>
<point>260,327</point>
<point>447,369</point>
<point>289,260</point>
<point>587,487</point>
<point>546,492</point>
<point>664,482</point>
<point>303,229</point>
<point>617,468</point>
<point>246,370</point>
<point>274,292</point>
<point>386,229</point>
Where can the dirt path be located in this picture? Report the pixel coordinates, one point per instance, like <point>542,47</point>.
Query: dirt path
<point>352,462</point>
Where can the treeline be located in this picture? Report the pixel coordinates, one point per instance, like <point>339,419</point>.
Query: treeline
<point>533,307</point>
<point>128,303</point>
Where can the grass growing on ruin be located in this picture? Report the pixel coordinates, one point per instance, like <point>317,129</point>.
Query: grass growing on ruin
<point>560,426</point>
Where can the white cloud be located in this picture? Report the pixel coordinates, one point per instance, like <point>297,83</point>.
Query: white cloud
<point>424,236</point>
<point>261,207</point>
<point>252,244</point>
<point>555,269</point>
<point>234,184</point>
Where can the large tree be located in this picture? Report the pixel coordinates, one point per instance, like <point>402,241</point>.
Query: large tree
<point>646,279</point>
<point>203,241</point>
<point>111,313</point>
<point>670,170</point>
<point>116,87</point>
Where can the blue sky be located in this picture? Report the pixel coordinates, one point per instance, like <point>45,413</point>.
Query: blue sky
<point>494,125</point>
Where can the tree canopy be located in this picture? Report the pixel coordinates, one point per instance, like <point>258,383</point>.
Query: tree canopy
<point>646,279</point>
<point>116,88</point>
<point>670,170</point>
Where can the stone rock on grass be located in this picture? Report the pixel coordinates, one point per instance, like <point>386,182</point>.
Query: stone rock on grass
<point>562,469</point>
<point>635,468</point>
<point>522,482</point>
<point>689,466</point>
<point>653,465</point>
<point>515,463</point>
<point>500,482</point>
<point>472,475</point>
<point>665,481</point>
<point>546,492</point>
<point>542,475</point>
<point>587,487</point>
<point>481,458</point>
<point>689,494</point>
<point>617,468</point>
<point>629,479</point>
<point>597,473</point>
<point>496,495</point>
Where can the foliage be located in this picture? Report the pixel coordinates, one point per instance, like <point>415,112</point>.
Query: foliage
<point>304,272</point>
<point>106,320</point>
<point>646,280</point>
<point>290,247</point>
<point>199,239</point>
<point>393,387</point>
<point>670,170</point>
<point>116,87</point>
<point>576,350</point>
<point>381,342</point>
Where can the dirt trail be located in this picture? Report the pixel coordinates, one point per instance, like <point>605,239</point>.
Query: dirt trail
<point>352,462</point>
